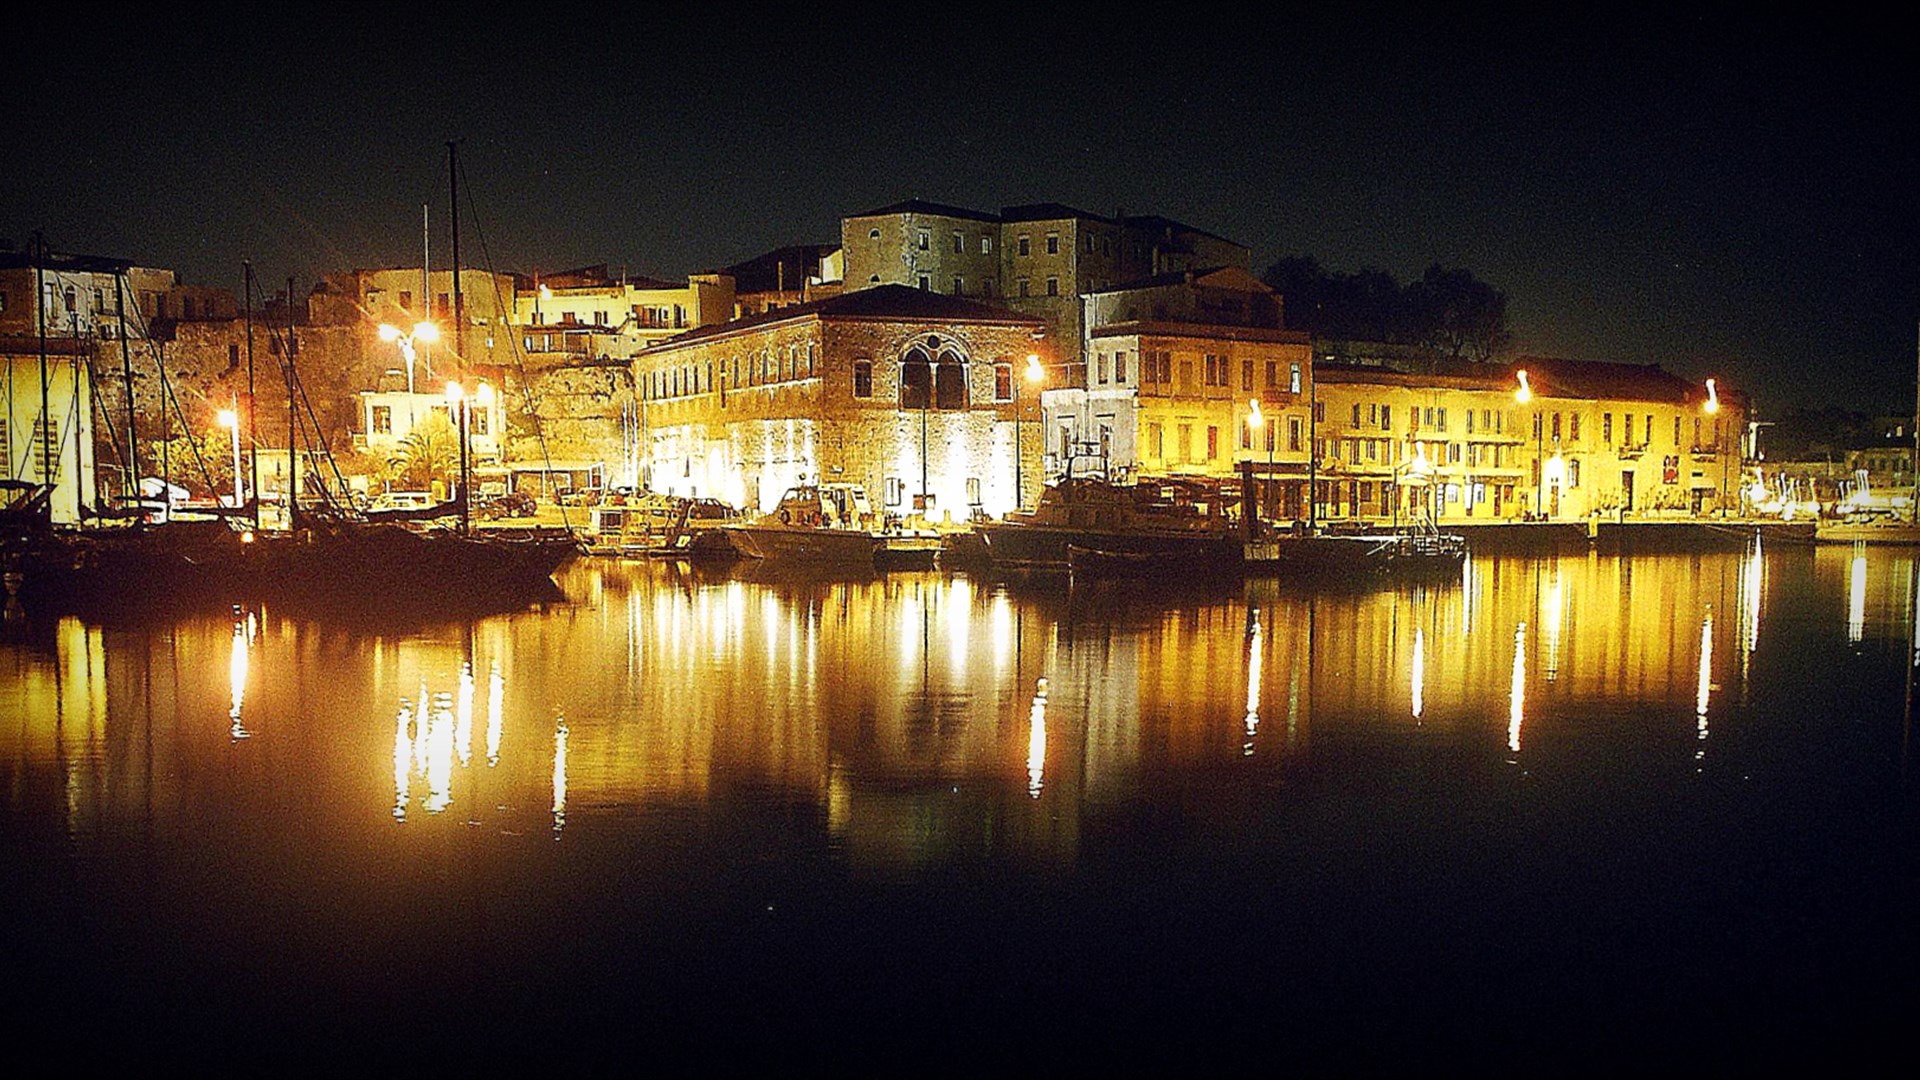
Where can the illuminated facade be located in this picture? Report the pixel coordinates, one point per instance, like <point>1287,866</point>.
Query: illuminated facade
<point>51,444</point>
<point>1582,440</point>
<point>904,391</point>
<point>597,314</point>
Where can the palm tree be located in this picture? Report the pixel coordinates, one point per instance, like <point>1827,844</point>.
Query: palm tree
<point>430,452</point>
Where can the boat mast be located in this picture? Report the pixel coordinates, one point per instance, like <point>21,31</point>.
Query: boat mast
<point>1916,432</point>
<point>459,305</point>
<point>126,367</point>
<point>293,427</point>
<point>46,407</point>
<point>253,430</point>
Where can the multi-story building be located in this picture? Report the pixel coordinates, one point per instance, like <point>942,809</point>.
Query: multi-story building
<point>1582,439</point>
<point>906,391</point>
<point>46,419</point>
<point>592,313</point>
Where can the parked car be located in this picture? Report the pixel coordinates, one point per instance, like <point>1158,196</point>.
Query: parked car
<point>511,505</point>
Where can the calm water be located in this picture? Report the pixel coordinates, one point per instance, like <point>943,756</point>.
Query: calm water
<point>1580,811</point>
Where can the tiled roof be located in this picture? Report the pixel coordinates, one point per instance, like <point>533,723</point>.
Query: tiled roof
<point>921,206</point>
<point>1049,211</point>
<point>880,302</point>
<point>761,273</point>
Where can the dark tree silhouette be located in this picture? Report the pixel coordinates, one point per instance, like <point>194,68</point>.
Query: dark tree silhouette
<point>1448,311</point>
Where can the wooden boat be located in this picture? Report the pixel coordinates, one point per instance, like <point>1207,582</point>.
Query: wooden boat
<point>1359,554</point>
<point>662,526</point>
<point>831,523</point>
<point>1085,562</point>
<point>1146,519</point>
<point>1878,530</point>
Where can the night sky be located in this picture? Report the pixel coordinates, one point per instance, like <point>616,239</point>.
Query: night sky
<point>1720,196</point>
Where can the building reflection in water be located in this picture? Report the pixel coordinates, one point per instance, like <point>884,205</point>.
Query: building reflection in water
<point>928,717</point>
<point>1517,689</point>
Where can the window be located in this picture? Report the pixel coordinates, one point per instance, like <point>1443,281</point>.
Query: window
<point>406,299</point>
<point>1386,418</point>
<point>874,280</point>
<point>1053,243</point>
<point>1356,414</point>
<point>986,287</point>
<point>950,382</point>
<point>1539,422</point>
<point>1273,374</point>
<point>959,244</point>
<point>600,317</point>
<point>924,238</point>
<point>1025,287</point>
<point>1573,473</point>
<point>1026,246</point>
<point>1293,434</point>
<point>1676,431</point>
<point>1246,436</point>
<point>873,234</point>
<point>863,378</point>
<point>973,491</point>
<point>1053,286</point>
<point>959,285</point>
<point>916,380</point>
<point>896,491</point>
<point>1556,427</point>
<point>1246,374</point>
<point>1003,382</point>
<point>926,282</point>
<point>233,356</point>
<point>1088,246</point>
<point>1186,375</point>
<point>1573,427</point>
<point>1469,421</point>
<point>1213,442</point>
<point>382,422</point>
<point>1319,412</point>
<point>986,245</point>
<point>1100,364</point>
<point>1120,368</point>
<point>479,420</point>
<point>1293,379</point>
<point>1606,429</point>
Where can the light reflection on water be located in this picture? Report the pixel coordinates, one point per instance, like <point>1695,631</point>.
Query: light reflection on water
<point>914,711</point>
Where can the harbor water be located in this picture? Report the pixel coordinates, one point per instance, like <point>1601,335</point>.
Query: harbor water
<point>1577,811</point>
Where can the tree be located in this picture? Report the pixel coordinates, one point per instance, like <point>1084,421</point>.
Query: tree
<point>430,452</point>
<point>1457,314</point>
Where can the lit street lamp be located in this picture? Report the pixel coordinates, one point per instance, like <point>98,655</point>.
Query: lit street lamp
<point>1522,396</point>
<point>425,333</point>
<point>1256,424</point>
<point>1035,374</point>
<point>230,419</point>
<point>458,402</point>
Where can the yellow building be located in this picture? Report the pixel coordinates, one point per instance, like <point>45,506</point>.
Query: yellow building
<point>1568,441</point>
<point>594,313</point>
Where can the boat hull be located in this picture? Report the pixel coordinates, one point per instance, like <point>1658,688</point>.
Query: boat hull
<point>796,544</point>
<point>1044,547</point>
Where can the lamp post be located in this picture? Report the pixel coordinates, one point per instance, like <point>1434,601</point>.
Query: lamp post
<point>1034,374</point>
<point>1712,408</point>
<point>230,419</point>
<point>1256,424</point>
<point>1522,396</point>
<point>458,401</point>
<point>425,333</point>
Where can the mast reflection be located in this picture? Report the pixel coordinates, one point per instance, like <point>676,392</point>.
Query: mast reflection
<point>1419,672</point>
<point>1704,692</point>
<point>559,776</point>
<point>237,665</point>
<point>1037,740</point>
<point>1255,661</point>
<point>1857,596</point>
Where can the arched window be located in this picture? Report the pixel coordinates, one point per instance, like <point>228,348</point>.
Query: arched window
<point>950,383</point>
<point>916,380</point>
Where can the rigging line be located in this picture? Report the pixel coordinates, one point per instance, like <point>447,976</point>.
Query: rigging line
<point>513,343</point>
<point>106,414</point>
<point>168,396</point>
<point>291,375</point>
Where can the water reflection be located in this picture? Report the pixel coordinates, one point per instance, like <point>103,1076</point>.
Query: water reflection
<point>923,715</point>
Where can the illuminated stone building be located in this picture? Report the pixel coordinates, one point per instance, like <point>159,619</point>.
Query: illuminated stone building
<point>905,391</point>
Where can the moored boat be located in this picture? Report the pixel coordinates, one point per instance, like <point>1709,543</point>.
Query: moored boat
<point>831,523</point>
<point>1155,520</point>
<point>1356,554</point>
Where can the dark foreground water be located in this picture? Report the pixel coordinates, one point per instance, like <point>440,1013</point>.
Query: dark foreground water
<point>1578,813</point>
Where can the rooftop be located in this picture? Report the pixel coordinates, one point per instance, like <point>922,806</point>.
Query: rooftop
<point>886,302</point>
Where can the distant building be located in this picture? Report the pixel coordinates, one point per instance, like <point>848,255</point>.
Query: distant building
<point>591,313</point>
<point>786,277</point>
<point>907,392</point>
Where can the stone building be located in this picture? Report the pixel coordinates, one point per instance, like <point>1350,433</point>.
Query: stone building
<point>593,313</point>
<point>908,392</point>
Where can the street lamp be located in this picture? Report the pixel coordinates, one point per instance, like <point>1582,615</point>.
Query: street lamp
<point>1035,374</point>
<point>230,419</point>
<point>425,333</point>
<point>459,403</point>
<point>1522,396</point>
<point>1256,424</point>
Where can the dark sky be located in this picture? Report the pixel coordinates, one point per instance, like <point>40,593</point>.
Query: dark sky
<point>1722,196</point>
